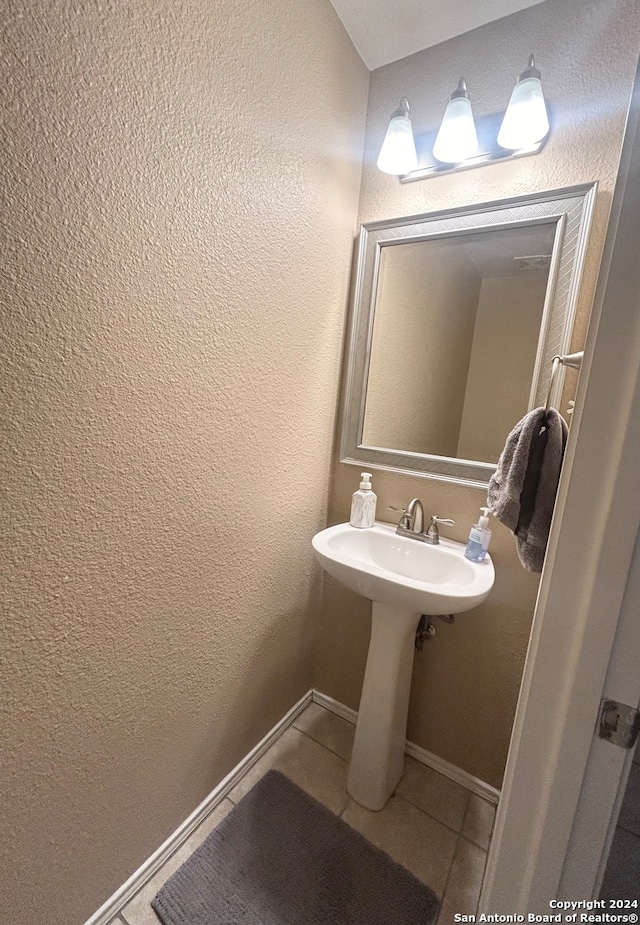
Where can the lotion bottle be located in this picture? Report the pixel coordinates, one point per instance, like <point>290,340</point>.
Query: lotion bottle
<point>363,504</point>
<point>479,538</point>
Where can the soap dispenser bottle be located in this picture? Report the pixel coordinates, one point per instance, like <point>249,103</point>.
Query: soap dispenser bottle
<point>479,538</point>
<point>363,504</point>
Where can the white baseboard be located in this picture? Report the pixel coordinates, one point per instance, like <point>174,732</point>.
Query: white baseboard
<point>334,706</point>
<point>127,891</point>
<point>474,784</point>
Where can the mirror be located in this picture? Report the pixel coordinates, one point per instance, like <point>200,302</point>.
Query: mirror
<point>456,317</point>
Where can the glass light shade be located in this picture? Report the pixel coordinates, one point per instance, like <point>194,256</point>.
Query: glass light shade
<point>398,152</point>
<point>525,122</point>
<point>457,139</point>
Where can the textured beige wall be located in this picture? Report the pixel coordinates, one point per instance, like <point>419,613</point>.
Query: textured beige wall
<point>504,350</point>
<point>426,303</point>
<point>466,680</point>
<point>179,194</point>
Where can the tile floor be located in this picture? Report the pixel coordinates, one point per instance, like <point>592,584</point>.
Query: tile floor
<point>433,826</point>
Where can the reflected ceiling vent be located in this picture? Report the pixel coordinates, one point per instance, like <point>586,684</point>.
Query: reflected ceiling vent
<point>533,262</point>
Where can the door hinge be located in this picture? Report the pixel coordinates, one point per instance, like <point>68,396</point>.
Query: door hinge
<point>618,723</point>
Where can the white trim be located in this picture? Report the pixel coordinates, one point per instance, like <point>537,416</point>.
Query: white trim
<point>608,768</point>
<point>474,784</point>
<point>334,706</point>
<point>126,892</point>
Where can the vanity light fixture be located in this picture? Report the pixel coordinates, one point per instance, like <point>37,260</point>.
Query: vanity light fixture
<point>398,152</point>
<point>461,141</point>
<point>457,138</point>
<point>525,121</point>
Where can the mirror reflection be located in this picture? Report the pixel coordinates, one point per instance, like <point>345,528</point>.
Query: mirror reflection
<point>455,319</point>
<point>456,328</point>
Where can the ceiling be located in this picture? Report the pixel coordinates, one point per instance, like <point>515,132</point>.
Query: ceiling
<point>387,30</point>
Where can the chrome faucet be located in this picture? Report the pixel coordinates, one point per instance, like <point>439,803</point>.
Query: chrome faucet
<point>412,523</point>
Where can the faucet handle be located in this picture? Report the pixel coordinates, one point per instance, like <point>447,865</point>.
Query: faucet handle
<point>405,520</point>
<point>432,530</point>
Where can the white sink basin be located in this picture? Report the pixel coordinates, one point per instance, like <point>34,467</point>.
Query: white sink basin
<point>403,572</point>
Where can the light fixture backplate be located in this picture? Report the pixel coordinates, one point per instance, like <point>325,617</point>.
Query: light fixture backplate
<point>489,151</point>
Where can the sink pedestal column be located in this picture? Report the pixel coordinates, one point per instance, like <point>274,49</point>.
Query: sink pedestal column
<point>377,760</point>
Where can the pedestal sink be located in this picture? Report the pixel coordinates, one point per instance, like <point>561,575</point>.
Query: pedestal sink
<point>404,579</point>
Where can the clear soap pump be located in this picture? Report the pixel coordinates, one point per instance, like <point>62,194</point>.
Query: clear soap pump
<point>479,538</point>
<point>363,504</point>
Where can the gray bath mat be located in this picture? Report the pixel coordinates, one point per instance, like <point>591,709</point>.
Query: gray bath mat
<point>281,858</point>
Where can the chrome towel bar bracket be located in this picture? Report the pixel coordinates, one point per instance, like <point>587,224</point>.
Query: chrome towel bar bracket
<point>574,360</point>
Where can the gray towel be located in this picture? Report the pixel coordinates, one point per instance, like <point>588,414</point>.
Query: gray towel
<point>522,492</point>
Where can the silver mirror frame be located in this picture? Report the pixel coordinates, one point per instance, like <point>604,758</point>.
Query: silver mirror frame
<point>571,208</point>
